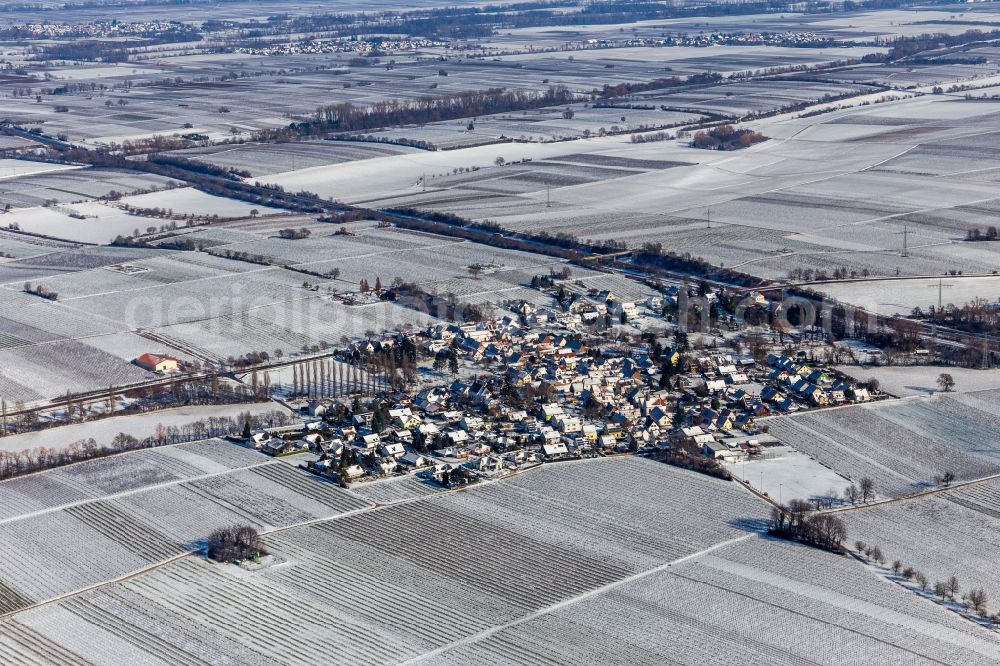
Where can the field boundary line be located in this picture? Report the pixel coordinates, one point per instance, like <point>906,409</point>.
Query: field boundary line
<point>487,633</point>
<point>133,491</point>
<point>913,496</point>
<point>372,506</point>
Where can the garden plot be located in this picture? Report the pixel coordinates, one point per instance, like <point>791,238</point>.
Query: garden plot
<point>769,602</point>
<point>951,534</point>
<point>903,445</point>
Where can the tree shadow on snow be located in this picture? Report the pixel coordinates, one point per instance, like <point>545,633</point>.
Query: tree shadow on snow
<point>756,525</point>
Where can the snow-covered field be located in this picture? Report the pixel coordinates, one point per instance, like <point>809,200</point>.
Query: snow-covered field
<point>903,445</point>
<point>889,297</point>
<point>398,591</point>
<point>419,574</point>
<point>98,223</point>
<point>10,168</point>
<point>137,425</point>
<point>766,601</point>
<point>92,522</point>
<point>954,533</point>
<point>187,200</point>
<point>786,474</point>
<point>792,202</point>
<point>905,381</point>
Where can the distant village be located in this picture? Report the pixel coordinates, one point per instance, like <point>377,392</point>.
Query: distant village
<point>538,385</point>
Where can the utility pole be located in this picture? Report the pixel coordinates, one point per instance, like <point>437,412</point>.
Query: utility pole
<point>906,235</point>
<point>548,196</point>
<point>423,181</point>
<point>709,215</point>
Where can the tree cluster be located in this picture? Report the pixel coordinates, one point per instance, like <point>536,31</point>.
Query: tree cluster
<point>821,530</point>
<point>234,544</point>
<point>726,137</point>
<point>40,290</point>
<point>294,234</point>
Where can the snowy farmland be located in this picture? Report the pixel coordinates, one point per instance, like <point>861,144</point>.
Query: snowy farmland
<point>903,381</point>
<point>890,297</point>
<point>91,522</point>
<point>792,202</point>
<point>768,602</point>
<point>903,445</point>
<point>589,571</point>
<point>953,533</point>
<point>401,571</point>
<point>140,426</point>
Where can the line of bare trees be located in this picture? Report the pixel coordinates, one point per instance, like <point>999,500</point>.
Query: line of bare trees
<point>28,461</point>
<point>973,600</point>
<point>181,392</point>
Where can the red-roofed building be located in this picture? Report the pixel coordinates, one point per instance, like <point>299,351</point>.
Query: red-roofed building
<point>158,363</point>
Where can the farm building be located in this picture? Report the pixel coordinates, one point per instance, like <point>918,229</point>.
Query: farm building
<point>158,363</point>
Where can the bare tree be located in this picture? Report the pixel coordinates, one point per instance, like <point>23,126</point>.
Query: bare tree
<point>977,600</point>
<point>921,580</point>
<point>852,494</point>
<point>946,382</point>
<point>952,587</point>
<point>867,489</point>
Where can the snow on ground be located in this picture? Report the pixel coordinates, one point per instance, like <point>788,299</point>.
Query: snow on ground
<point>786,474</point>
<point>100,223</point>
<point>14,168</point>
<point>889,297</point>
<point>952,533</point>
<point>101,71</point>
<point>377,178</point>
<point>186,200</point>
<point>138,425</point>
<point>922,379</point>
